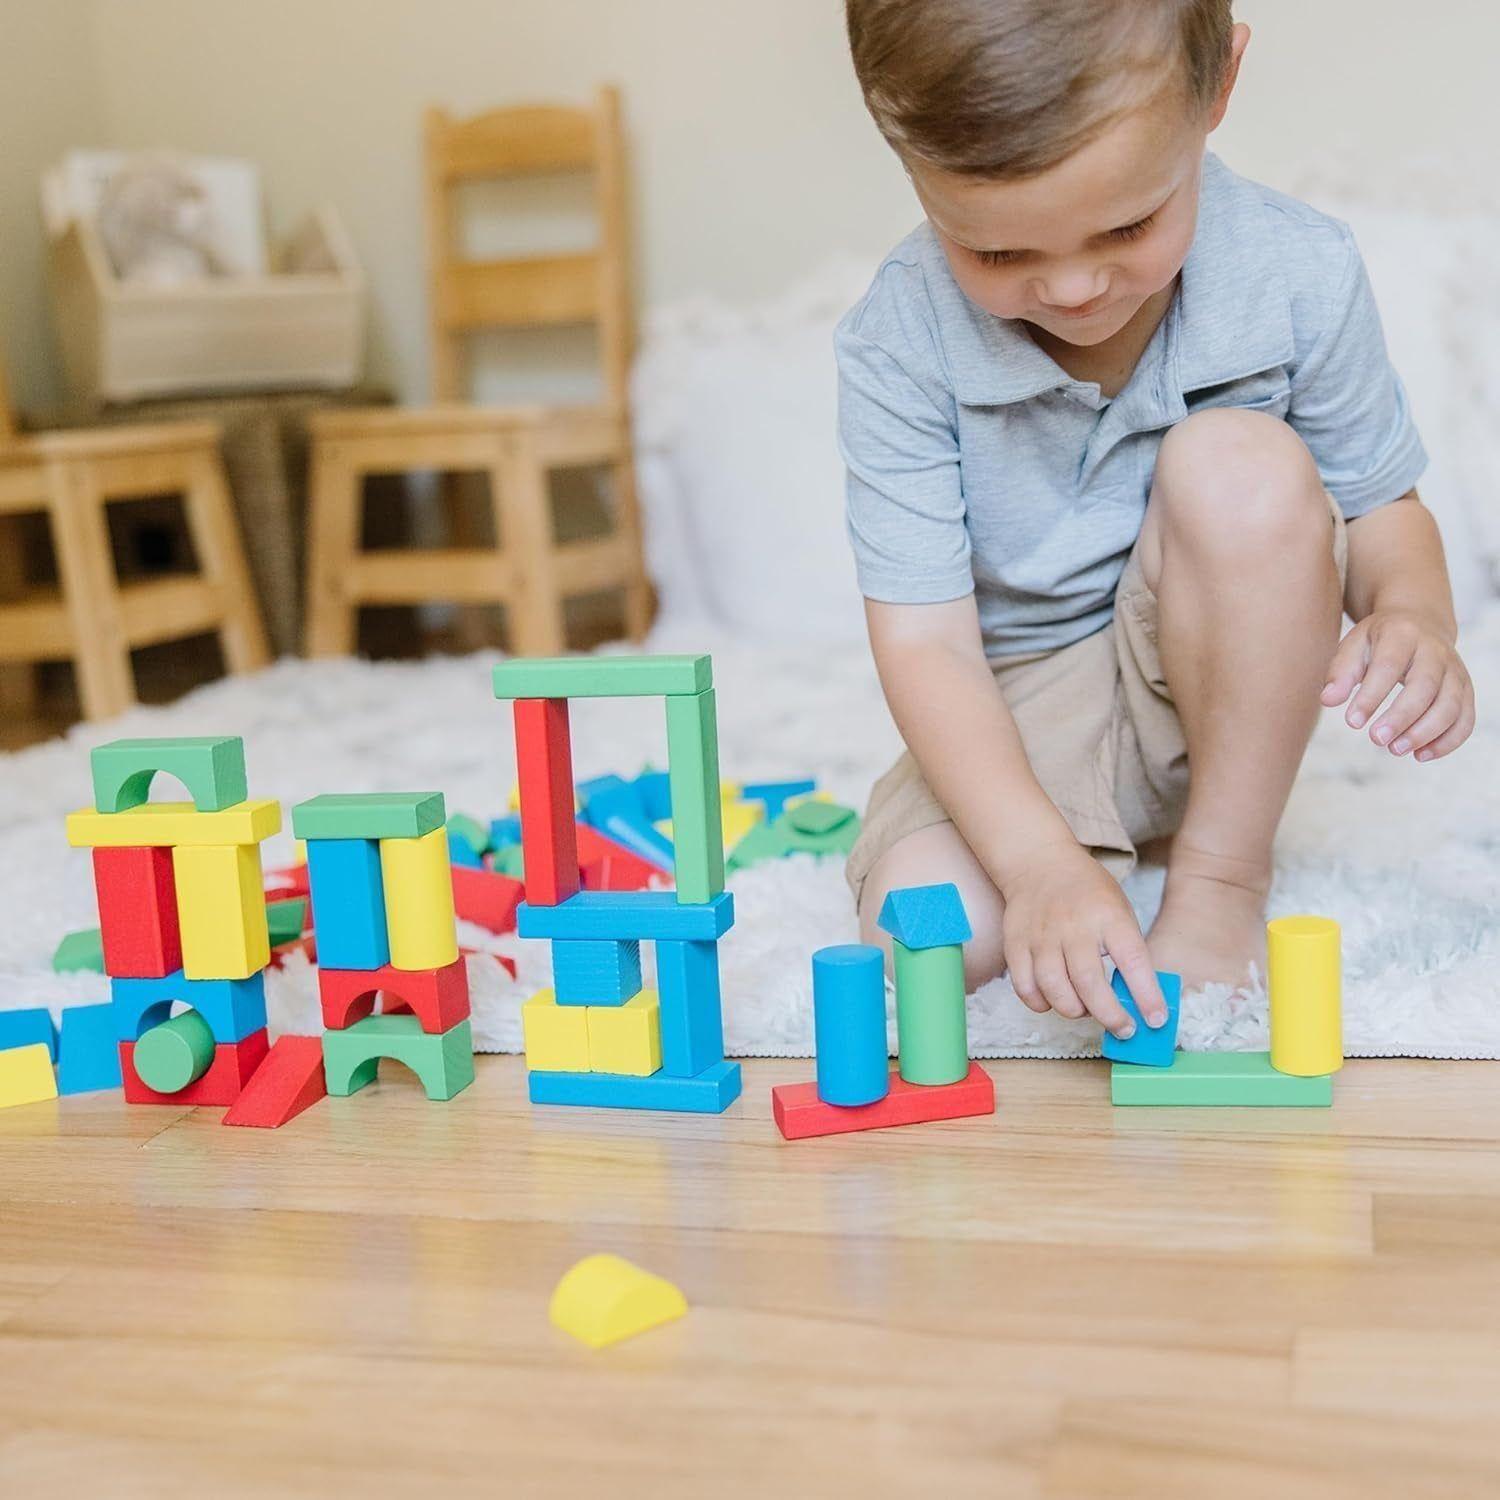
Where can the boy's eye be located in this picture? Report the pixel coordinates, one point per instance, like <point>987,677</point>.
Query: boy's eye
<point>1133,231</point>
<point>997,257</point>
<point>1123,234</point>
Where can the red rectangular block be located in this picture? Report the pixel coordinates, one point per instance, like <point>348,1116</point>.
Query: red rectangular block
<point>137,913</point>
<point>605,865</point>
<point>544,767</point>
<point>800,1113</point>
<point>487,898</point>
<point>233,1066</point>
<point>289,1081</point>
<point>439,997</point>
<point>292,881</point>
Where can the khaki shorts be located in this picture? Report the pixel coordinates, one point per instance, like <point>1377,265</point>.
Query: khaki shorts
<point>1100,730</point>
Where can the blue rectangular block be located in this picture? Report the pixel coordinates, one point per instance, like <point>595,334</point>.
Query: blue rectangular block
<point>649,915</point>
<point>233,1008</point>
<point>710,1093</point>
<point>461,852</point>
<point>692,1018</point>
<point>22,1028</point>
<point>655,791</point>
<point>88,1051</point>
<point>596,973</point>
<point>348,900</point>
<point>1154,1049</point>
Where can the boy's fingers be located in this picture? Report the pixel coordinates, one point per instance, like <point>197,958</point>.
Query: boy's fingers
<point>1384,672</point>
<point>1133,960</point>
<point>1086,970</point>
<point>1346,668</point>
<point>1447,743</point>
<point>1052,978</point>
<point>1023,981</point>
<point>1423,684</point>
<point>1438,720</point>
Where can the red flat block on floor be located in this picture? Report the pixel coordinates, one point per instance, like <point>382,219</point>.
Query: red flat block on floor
<point>544,769</point>
<point>799,1112</point>
<point>487,898</point>
<point>233,1066</point>
<point>289,1081</point>
<point>137,913</point>
<point>605,865</point>
<point>439,997</point>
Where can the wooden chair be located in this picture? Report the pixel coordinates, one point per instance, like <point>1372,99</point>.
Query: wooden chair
<point>93,617</point>
<point>517,448</point>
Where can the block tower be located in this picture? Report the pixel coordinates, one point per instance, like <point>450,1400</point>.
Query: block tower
<point>382,899</point>
<point>182,916</point>
<point>935,1080</point>
<point>597,1037</point>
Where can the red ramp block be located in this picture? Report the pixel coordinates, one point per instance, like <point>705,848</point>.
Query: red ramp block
<point>439,997</point>
<point>800,1113</point>
<point>289,1081</point>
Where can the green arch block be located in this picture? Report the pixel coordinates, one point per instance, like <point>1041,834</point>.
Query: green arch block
<point>442,1060</point>
<point>212,768</point>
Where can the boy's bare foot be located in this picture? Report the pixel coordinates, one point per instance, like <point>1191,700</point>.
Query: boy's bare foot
<point>1212,924</point>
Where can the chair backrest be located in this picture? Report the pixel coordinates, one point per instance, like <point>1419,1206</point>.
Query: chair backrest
<point>588,287</point>
<point>7,414</point>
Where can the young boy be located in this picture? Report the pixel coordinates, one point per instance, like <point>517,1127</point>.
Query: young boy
<point>1122,438</point>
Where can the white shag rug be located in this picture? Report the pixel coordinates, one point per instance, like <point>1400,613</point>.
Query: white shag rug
<point>1407,858</point>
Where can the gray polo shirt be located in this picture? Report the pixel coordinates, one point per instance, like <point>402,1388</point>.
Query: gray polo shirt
<point>976,463</point>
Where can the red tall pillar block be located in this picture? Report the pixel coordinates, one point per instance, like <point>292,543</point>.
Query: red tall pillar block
<point>544,765</point>
<point>137,913</point>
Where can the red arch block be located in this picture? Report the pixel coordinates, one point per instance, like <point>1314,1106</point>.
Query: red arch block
<point>439,997</point>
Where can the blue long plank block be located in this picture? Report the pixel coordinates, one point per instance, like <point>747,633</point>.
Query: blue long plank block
<point>23,1028</point>
<point>710,1093</point>
<point>233,1008</point>
<point>652,915</point>
<point>692,1017</point>
<point>348,902</point>
<point>88,1050</point>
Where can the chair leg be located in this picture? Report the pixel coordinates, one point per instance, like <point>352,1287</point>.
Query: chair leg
<point>638,599</point>
<point>519,491</point>
<point>18,679</point>
<point>333,510</point>
<point>215,533</point>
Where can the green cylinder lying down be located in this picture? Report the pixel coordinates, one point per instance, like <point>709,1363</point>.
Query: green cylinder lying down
<point>176,1053</point>
<point>932,1033</point>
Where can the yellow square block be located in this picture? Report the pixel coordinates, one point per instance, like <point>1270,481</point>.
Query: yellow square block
<point>162,824</point>
<point>221,907</point>
<point>26,1075</point>
<point>626,1038</point>
<point>556,1036</point>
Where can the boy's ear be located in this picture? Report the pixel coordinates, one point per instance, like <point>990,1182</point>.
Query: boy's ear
<point>1238,41</point>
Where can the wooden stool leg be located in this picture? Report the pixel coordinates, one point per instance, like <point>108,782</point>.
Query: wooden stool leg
<point>518,487</point>
<point>18,679</point>
<point>628,525</point>
<point>216,536</point>
<point>333,511</point>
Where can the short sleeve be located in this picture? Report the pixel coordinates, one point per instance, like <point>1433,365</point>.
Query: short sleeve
<point>1349,406</point>
<point>904,494</point>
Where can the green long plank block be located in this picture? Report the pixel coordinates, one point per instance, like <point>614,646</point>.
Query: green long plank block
<point>368,815</point>
<point>931,1021</point>
<point>212,768</point>
<point>442,1060</point>
<point>1217,1080</point>
<point>693,775</point>
<point>603,677</point>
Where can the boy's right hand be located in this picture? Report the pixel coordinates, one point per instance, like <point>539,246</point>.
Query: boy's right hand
<point>1063,913</point>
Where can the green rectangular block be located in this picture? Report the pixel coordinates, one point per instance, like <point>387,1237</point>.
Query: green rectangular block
<point>286,919</point>
<point>79,950</point>
<point>1218,1080</point>
<point>603,676</point>
<point>368,815</point>
<point>693,775</point>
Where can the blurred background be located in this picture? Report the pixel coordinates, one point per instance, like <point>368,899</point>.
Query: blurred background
<point>756,199</point>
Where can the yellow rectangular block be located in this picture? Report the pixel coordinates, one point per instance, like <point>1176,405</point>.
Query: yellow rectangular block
<point>26,1075</point>
<point>419,901</point>
<point>626,1038</point>
<point>556,1037</point>
<point>166,824</point>
<point>221,907</point>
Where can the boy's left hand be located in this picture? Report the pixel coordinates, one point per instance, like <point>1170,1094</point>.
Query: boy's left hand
<point>1433,714</point>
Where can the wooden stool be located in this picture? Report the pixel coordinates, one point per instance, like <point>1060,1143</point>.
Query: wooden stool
<point>94,618</point>
<point>516,448</point>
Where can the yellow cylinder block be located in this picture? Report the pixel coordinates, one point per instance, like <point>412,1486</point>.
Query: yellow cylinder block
<point>419,901</point>
<point>1306,990</point>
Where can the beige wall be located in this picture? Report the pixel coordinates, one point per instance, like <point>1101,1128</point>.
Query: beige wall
<point>753,156</point>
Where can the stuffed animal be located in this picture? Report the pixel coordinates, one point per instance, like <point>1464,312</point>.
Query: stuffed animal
<point>157,224</point>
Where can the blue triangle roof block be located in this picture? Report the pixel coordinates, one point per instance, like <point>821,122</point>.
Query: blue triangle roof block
<point>926,916</point>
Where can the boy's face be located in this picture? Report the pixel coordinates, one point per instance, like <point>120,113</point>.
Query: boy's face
<point>1078,249</point>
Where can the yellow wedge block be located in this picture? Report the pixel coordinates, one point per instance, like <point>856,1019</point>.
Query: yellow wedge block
<point>419,901</point>
<point>1304,981</point>
<point>604,1298</point>
<point>221,907</point>
<point>172,824</point>
<point>626,1038</point>
<point>556,1037</point>
<point>26,1075</point>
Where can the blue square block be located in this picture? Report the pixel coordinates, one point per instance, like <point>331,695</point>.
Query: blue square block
<point>710,1093</point>
<point>233,1008</point>
<point>89,1051</point>
<point>602,972</point>
<point>23,1028</point>
<point>649,915</point>
<point>1152,1048</point>
<point>692,1017</point>
<point>348,901</point>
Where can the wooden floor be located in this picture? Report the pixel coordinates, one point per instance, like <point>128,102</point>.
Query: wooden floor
<point>1059,1301</point>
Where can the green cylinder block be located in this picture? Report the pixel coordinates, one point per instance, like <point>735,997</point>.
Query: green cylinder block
<point>931,1026</point>
<point>176,1053</point>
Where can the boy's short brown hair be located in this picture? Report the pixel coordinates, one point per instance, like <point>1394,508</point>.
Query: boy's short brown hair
<point>1009,88</point>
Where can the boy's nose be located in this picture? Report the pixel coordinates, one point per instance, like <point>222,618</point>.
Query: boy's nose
<point>1067,293</point>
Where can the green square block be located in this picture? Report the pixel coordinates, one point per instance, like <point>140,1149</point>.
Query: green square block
<point>211,767</point>
<point>603,677</point>
<point>368,815</point>
<point>1216,1080</point>
<point>79,950</point>
<point>442,1060</point>
<point>693,775</point>
<point>286,919</point>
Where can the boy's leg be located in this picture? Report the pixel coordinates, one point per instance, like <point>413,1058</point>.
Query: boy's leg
<point>1237,546</point>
